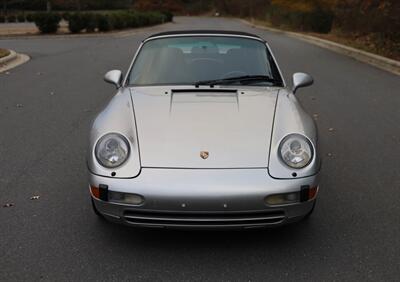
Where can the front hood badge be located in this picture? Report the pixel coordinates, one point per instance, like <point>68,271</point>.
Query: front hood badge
<point>204,154</point>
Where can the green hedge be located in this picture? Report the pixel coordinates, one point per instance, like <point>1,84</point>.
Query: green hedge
<point>91,21</point>
<point>317,20</point>
<point>97,21</point>
<point>76,22</point>
<point>65,15</point>
<point>11,18</point>
<point>169,17</point>
<point>82,21</point>
<point>47,22</point>
<point>30,17</point>
<point>21,18</point>
<point>103,22</point>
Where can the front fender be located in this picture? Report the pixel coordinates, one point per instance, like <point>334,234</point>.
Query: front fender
<point>290,118</point>
<point>118,117</point>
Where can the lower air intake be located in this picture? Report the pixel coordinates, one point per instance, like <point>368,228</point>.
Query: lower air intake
<point>209,219</point>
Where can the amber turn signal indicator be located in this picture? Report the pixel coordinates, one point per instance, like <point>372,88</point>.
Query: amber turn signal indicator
<point>95,192</point>
<point>312,193</point>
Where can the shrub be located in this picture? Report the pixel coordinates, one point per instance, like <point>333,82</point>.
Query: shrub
<point>142,19</point>
<point>106,21</point>
<point>21,18</point>
<point>311,19</point>
<point>11,18</point>
<point>372,17</point>
<point>154,18</point>
<point>29,18</point>
<point>76,22</point>
<point>103,22</point>
<point>90,21</point>
<point>321,21</point>
<point>65,16</point>
<point>157,18</point>
<point>47,22</point>
<point>133,20</point>
<point>119,20</point>
<point>168,16</point>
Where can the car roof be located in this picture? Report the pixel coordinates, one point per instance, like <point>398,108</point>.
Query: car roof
<point>204,32</point>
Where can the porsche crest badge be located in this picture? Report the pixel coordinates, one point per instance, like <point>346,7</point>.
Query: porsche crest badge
<point>204,154</point>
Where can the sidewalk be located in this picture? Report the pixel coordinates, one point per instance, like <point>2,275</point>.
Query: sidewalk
<point>17,28</point>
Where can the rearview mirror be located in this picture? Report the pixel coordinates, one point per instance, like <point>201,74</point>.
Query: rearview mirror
<point>114,77</point>
<point>301,79</point>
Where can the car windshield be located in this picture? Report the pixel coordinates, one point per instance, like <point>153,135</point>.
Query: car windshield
<point>204,59</point>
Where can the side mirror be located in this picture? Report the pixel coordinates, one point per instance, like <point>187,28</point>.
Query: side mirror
<point>114,77</point>
<point>301,80</point>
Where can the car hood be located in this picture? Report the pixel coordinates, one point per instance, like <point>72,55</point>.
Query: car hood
<point>174,127</point>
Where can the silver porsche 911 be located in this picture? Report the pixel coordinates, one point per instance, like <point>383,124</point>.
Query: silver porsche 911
<point>204,133</point>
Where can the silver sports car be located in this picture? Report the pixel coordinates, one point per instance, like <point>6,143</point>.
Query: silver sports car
<point>204,133</point>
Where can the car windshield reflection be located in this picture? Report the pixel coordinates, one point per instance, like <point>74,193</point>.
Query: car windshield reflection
<point>188,60</point>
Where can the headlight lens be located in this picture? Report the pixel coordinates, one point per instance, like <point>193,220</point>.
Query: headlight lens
<point>112,150</point>
<point>296,151</point>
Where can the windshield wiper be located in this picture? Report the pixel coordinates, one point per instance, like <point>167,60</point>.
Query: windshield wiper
<point>247,79</point>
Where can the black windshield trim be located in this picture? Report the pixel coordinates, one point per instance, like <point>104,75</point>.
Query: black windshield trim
<point>210,90</point>
<point>204,32</point>
<point>241,80</point>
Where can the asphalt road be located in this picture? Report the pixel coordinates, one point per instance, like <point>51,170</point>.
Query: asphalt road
<point>46,107</point>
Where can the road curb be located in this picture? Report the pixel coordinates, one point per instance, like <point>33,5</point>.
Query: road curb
<point>381,62</point>
<point>8,58</point>
<point>12,60</point>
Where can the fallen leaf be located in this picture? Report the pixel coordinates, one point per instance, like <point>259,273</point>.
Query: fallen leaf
<point>8,205</point>
<point>19,105</point>
<point>331,129</point>
<point>35,197</point>
<point>315,116</point>
<point>329,155</point>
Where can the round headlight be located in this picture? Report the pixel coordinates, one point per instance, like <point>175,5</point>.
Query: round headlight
<point>112,150</point>
<point>296,151</point>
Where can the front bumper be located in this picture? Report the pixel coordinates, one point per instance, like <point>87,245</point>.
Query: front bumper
<point>203,198</point>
